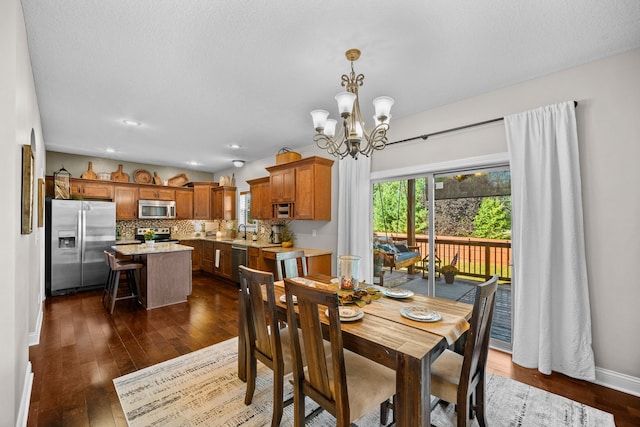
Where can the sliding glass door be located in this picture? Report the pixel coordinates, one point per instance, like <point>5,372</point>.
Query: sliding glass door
<point>472,239</point>
<point>460,222</point>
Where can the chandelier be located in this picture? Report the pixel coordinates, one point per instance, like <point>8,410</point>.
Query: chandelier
<point>353,138</point>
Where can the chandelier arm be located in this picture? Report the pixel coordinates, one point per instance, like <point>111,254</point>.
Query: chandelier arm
<point>337,149</point>
<point>378,138</point>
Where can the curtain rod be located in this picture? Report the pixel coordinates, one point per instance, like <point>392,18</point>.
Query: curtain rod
<point>425,136</point>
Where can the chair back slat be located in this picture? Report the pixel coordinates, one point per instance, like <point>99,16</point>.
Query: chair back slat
<point>260,317</point>
<point>477,345</point>
<point>315,381</point>
<point>287,264</point>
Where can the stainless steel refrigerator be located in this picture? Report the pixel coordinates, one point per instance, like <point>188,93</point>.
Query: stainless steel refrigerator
<point>78,232</point>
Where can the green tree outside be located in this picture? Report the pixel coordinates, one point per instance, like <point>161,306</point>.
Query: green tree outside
<point>493,220</point>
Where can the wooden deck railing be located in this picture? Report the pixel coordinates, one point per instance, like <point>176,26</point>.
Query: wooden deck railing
<point>480,258</point>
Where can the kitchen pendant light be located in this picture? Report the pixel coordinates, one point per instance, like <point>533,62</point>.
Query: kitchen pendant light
<point>354,138</point>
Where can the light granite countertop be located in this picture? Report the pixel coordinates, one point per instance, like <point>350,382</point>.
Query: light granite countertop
<point>145,249</point>
<point>307,252</point>
<point>242,242</point>
<point>127,241</point>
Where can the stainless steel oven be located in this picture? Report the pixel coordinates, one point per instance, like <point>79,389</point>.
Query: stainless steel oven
<point>238,257</point>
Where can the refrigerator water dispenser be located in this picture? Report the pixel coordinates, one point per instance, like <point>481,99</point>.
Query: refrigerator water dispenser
<point>66,239</point>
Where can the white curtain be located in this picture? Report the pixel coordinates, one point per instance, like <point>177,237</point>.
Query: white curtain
<point>552,321</point>
<point>354,213</point>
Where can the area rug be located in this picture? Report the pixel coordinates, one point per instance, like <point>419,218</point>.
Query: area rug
<point>202,389</point>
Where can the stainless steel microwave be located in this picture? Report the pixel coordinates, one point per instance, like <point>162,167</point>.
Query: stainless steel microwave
<point>156,209</point>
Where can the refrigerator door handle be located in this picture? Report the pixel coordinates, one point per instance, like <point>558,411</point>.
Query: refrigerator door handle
<point>83,235</point>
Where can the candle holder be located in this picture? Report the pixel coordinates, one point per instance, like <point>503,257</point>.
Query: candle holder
<point>348,271</point>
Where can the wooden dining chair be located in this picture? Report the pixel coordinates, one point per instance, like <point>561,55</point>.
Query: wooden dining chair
<point>460,379</point>
<point>288,261</point>
<point>265,341</point>
<point>344,383</point>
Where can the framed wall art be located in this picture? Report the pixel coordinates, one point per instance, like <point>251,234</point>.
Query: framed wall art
<point>41,191</point>
<point>27,189</point>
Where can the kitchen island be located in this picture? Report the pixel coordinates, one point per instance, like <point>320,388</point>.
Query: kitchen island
<point>166,276</point>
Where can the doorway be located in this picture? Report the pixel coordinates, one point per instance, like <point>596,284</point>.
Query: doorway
<point>463,217</point>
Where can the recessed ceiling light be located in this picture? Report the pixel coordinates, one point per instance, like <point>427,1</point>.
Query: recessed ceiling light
<point>238,163</point>
<point>193,163</point>
<point>131,122</point>
<point>234,146</point>
<point>110,150</point>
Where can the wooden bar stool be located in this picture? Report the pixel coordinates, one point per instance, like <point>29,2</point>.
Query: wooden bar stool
<point>107,285</point>
<point>111,289</point>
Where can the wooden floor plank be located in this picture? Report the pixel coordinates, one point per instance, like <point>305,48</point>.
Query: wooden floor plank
<point>83,348</point>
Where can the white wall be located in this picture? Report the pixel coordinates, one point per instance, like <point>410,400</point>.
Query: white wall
<point>22,258</point>
<point>608,115</point>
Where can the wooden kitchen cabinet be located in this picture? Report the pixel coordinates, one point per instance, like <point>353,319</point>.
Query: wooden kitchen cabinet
<point>208,259</point>
<point>91,189</point>
<point>313,190</point>
<point>310,181</point>
<point>282,183</point>
<point>260,198</point>
<point>254,257</point>
<point>150,193</point>
<point>223,203</point>
<point>202,199</point>
<point>126,198</point>
<point>196,254</point>
<point>184,203</point>
<point>224,266</point>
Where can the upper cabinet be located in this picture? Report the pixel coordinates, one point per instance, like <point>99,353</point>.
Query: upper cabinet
<point>282,184</point>
<point>199,202</point>
<point>202,199</point>
<point>223,203</point>
<point>260,198</point>
<point>301,189</point>
<point>126,198</point>
<point>157,193</point>
<point>91,189</point>
<point>184,203</point>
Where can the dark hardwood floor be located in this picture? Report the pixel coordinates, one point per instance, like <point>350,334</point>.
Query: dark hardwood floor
<point>82,349</point>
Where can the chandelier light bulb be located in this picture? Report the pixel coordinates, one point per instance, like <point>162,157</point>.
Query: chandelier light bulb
<point>330,127</point>
<point>358,130</point>
<point>345,103</point>
<point>383,104</point>
<point>319,118</point>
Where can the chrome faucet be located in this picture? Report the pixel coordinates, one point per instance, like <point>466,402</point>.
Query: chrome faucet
<point>245,230</point>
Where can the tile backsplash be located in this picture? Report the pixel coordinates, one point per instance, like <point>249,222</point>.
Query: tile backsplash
<point>178,226</point>
<point>185,227</point>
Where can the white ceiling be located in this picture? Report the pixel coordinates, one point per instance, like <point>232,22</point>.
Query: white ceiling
<point>202,74</point>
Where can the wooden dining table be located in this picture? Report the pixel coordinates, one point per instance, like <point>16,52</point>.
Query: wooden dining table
<point>385,336</point>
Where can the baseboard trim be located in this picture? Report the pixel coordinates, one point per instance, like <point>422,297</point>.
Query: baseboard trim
<point>617,381</point>
<point>23,413</point>
<point>604,377</point>
<point>34,337</point>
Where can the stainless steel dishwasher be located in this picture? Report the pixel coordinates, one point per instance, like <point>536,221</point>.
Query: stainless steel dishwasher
<point>238,258</point>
